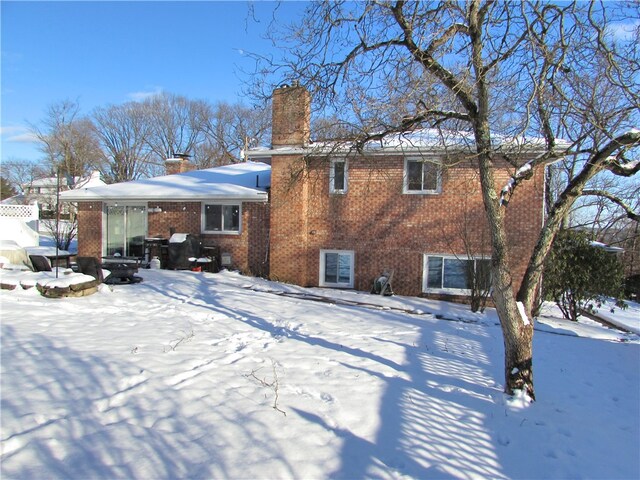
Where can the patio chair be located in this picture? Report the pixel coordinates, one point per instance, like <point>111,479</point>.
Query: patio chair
<point>40,263</point>
<point>90,266</point>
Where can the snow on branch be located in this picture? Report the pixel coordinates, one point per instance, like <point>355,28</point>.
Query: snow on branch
<point>523,173</point>
<point>617,164</point>
<point>623,169</point>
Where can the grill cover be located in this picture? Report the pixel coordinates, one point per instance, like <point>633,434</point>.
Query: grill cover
<point>182,246</point>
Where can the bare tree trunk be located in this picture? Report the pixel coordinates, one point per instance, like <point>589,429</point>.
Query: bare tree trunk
<point>517,329</point>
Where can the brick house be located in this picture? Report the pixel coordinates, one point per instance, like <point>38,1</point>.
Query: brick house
<point>224,206</point>
<point>411,203</point>
<point>321,214</point>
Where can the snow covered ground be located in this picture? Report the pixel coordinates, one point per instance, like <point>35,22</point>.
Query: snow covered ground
<point>628,318</point>
<point>197,375</point>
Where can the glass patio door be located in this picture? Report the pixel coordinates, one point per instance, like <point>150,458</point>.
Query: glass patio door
<point>125,229</point>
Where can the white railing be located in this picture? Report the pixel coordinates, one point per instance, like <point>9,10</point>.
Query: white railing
<point>11,217</point>
<point>22,212</point>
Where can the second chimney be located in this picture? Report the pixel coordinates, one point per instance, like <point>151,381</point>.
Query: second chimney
<point>177,164</point>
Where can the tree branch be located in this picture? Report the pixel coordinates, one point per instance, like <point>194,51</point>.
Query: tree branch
<point>457,86</point>
<point>621,142</point>
<point>617,200</point>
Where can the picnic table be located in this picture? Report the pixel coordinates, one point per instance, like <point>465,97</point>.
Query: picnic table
<point>122,269</point>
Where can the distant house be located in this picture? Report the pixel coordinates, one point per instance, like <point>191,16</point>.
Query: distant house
<point>44,192</point>
<point>323,214</point>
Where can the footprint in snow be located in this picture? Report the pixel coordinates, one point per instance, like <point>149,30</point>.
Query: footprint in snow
<point>326,397</point>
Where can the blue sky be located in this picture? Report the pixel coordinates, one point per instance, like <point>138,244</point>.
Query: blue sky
<point>102,53</point>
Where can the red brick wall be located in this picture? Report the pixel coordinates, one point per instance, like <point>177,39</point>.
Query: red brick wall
<point>183,217</point>
<point>386,228</point>
<point>257,216</point>
<point>288,253</point>
<point>90,229</point>
<point>248,250</point>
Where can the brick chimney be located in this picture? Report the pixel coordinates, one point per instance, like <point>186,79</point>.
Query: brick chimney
<point>177,164</point>
<point>291,116</point>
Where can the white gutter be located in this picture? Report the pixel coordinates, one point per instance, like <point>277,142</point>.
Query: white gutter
<point>93,197</point>
<point>425,150</point>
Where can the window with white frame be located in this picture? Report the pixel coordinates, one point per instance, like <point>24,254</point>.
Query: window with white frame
<point>455,274</point>
<point>338,176</point>
<point>336,268</point>
<point>421,176</point>
<point>221,218</point>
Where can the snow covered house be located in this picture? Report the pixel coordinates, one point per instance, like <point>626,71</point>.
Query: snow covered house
<point>224,206</point>
<point>410,203</point>
<point>324,214</point>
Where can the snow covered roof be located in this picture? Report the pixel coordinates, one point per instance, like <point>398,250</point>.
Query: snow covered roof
<point>423,141</point>
<point>606,248</point>
<point>51,182</point>
<point>241,182</point>
<point>90,181</point>
<point>20,199</point>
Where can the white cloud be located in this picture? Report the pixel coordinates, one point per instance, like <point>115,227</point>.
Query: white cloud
<point>10,130</point>
<point>624,31</point>
<point>17,134</point>
<point>142,95</point>
<point>26,137</point>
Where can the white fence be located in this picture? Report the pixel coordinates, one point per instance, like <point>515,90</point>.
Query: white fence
<point>26,213</point>
<point>20,223</point>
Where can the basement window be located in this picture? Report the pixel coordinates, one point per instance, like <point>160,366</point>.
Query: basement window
<point>336,268</point>
<point>450,274</point>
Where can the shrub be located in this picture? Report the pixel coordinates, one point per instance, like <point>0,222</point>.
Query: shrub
<point>578,275</point>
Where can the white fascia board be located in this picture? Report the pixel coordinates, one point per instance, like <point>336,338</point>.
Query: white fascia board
<point>259,197</point>
<point>311,151</point>
<point>515,149</point>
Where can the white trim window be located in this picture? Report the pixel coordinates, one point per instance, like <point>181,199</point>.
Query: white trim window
<point>450,274</point>
<point>336,268</point>
<point>221,218</point>
<point>422,176</point>
<point>338,176</point>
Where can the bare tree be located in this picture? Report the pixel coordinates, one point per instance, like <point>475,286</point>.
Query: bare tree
<point>62,232</point>
<point>68,140</point>
<point>586,91</point>
<point>124,133</point>
<point>232,128</point>
<point>531,68</point>
<point>177,125</point>
<point>22,173</point>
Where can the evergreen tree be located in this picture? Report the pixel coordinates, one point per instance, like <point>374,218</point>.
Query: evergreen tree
<point>579,275</point>
<point>6,189</point>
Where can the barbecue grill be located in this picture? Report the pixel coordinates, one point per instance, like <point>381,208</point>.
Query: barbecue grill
<point>182,247</point>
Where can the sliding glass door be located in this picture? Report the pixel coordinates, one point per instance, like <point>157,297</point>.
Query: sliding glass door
<point>125,229</point>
